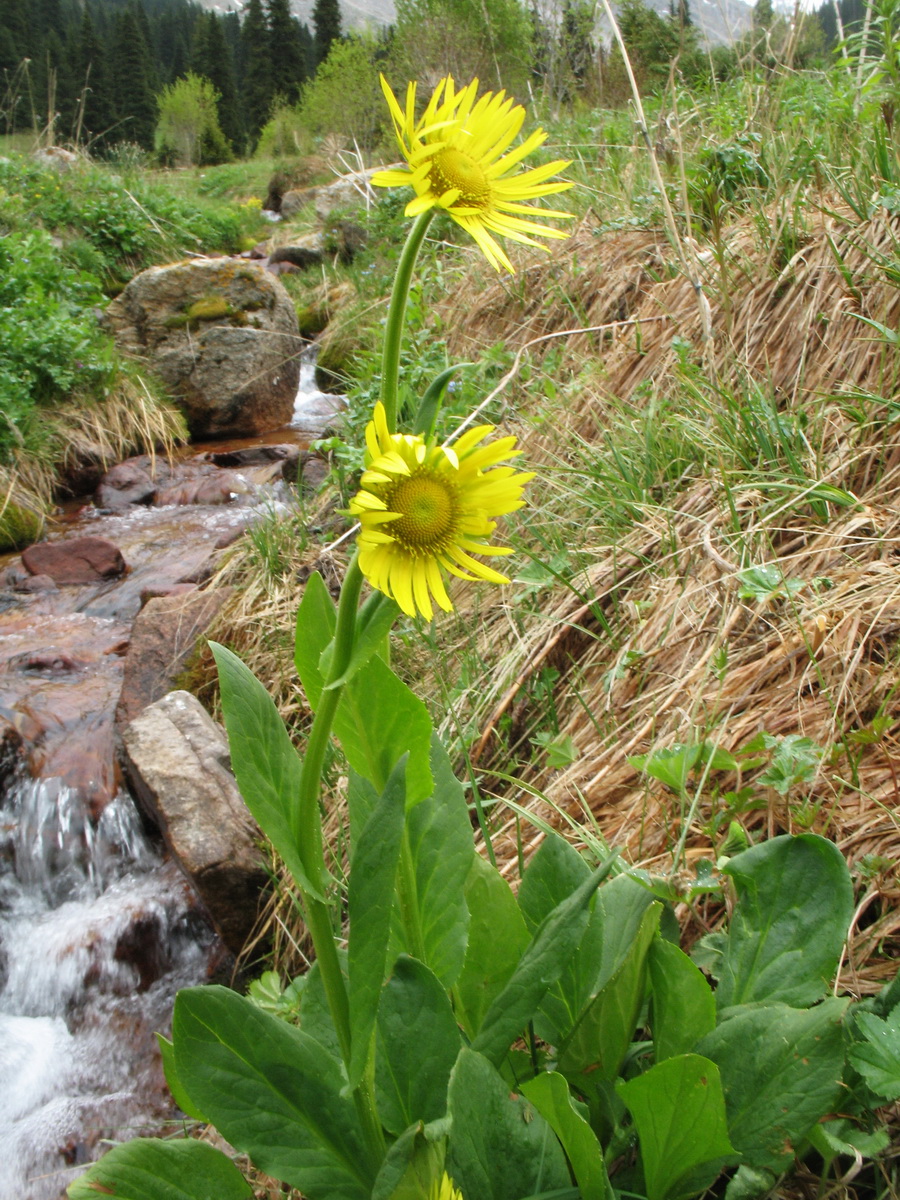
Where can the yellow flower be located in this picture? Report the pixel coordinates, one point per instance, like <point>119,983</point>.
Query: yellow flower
<point>426,508</point>
<point>458,161</point>
<point>445,1190</point>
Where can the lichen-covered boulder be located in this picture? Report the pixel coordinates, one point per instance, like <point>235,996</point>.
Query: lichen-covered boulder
<point>222,335</point>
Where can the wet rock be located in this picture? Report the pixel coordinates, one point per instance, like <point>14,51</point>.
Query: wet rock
<point>314,473</point>
<point>222,334</point>
<point>177,760</point>
<point>164,636</point>
<point>299,255</point>
<point>127,483</point>
<point>219,489</point>
<point>142,945</point>
<point>253,456</point>
<point>76,560</point>
<point>12,754</point>
<point>33,583</point>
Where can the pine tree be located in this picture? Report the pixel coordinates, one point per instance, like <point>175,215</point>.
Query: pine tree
<point>132,89</point>
<point>327,25</point>
<point>288,65</point>
<point>98,113</point>
<point>211,58</point>
<point>257,68</point>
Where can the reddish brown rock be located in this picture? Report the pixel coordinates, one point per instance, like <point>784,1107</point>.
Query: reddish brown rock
<point>76,560</point>
<point>34,583</point>
<point>127,483</point>
<point>154,590</point>
<point>165,634</point>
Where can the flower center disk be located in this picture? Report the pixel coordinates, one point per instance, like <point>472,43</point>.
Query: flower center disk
<point>428,508</point>
<point>454,169</point>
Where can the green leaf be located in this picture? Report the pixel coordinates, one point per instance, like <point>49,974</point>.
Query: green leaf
<point>684,1007</point>
<point>373,869</point>
<point>549,1093</point>
<point>265,763</point>
<point>411,1166</point>
<point>378,721</point>
<point>554,872</point>
<point>781,1072</point>
<point>795,901</point>
<point>599,1042</point>
<point>795,760</point>
<point>624,903</point>
<point>418,1043</point>
<point>376,617</point>
<point>179,1095</point>
<point>150,1169</point>
<point>497,940</point>
<point>440,842</point>
<point>554,942</point>
<point>273,1092</point>
<point>316,623</point>
<point>679,1113</point>
<point>315,1015</point>
<point>878,1058</point>
<point>670,766</point>
<point>431,402</point>
<point>500,1147</point>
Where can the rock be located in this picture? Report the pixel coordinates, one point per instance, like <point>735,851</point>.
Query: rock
<point>253,456</point>
<point>314,474</point>
<point>176,758</point>
<point>56,157</point>
<point>299,255</point>
<point>154,590</point>
<point>127,483</point>
<point>76,560</point>
<point>296,198</point>
<point>164,635</point>
<point>12,754</point>
<point>346,240</point>
<point>282,268</point>
<point>222,335</point>
<point>35,583</point>
<point>349,191</point>
<point>260,250</point>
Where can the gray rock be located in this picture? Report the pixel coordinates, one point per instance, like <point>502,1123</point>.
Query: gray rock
<point>176,757</point>
<point>222,334</point>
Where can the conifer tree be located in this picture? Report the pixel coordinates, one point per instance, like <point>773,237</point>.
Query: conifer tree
<point>257,69</point>
<point>97,113</point>
<point>327,25</point>
<point>132,89</point>
<point>287,63</point>
<point>212,59</point>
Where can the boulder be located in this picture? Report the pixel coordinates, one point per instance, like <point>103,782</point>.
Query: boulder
<point>305,252</point>
<point>56,158</point>
<point>349,191</point>
<point>296,198</point>
<point>176,757</point>
<point>163,637</point>
<point>222,335</point>
<point>76,560</point>
<point>126,483</point>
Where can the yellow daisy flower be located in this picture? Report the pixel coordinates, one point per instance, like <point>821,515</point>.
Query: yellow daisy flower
<point>458,161</point>
<point>426,508</point>
<point>444,1190</point>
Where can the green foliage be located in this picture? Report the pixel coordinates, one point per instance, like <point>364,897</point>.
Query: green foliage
<point>345,97</point>
<point>188,129</point>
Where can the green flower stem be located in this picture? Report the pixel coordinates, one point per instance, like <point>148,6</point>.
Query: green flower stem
<point>393,333</point>
<point>408,898</point>
<point>308,828</point>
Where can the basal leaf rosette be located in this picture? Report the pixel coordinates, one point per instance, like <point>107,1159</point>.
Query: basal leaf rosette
<point>425,509</point>
<point>460,160</point>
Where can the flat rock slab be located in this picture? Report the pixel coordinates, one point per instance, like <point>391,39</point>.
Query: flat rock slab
<point>82,560</point>
<point>176,757</point>
<point>164,636</point>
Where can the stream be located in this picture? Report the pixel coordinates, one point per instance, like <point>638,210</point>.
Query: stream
<point>98,927</point>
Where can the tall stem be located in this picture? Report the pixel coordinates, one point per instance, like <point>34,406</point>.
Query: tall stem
<point>393,333</point>
<point>308,831</point>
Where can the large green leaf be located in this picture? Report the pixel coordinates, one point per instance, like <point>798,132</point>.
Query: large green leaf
<point>272,1091</point>
<point>179,1095</point>
<point>781,1071</point>
<point>679,1113</point>
<point>264,761</point>
<point>410,1168</point>
<point>150,1169</point>
<point>440,842</point>
<point>550,1095</point>
<point>624,903</point>
<point>316,623</point>
<point>553,944</point>
<point>500,1147</point>
<point>418,1043</point>
<point>378,721</point>
<point>497,940</point>
<point>554,872</point>
<point>684,1007</point>
<point>795,901</point>
<point>599,1042</point>
<point>375,619</point>
<point>370,899</point>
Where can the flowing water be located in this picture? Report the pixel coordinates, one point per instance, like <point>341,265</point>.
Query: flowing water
<point>98,928</point>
